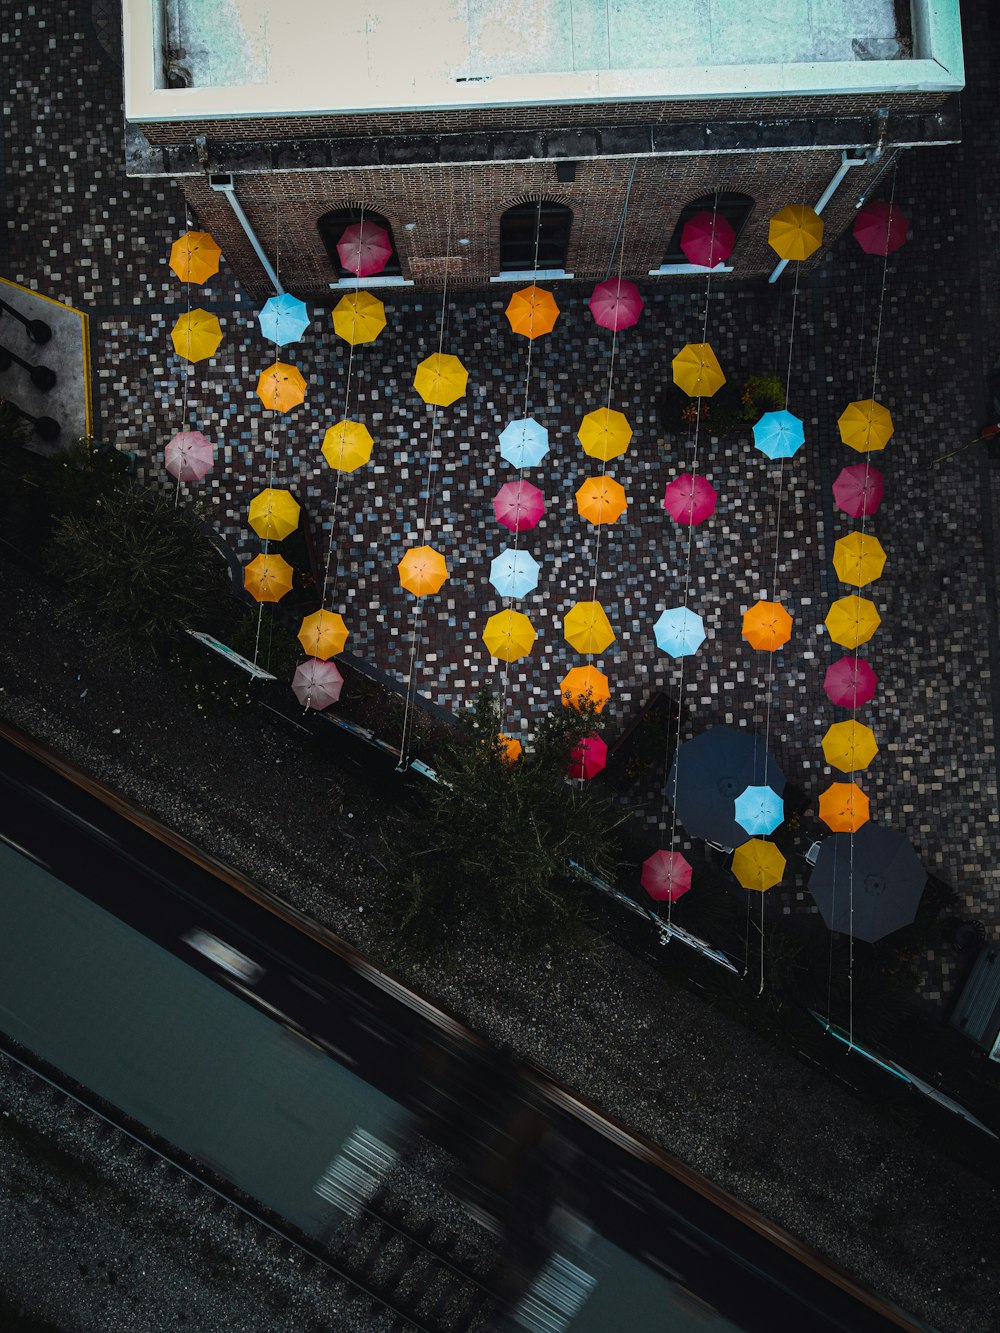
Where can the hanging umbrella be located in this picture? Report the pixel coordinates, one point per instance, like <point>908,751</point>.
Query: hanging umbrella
<point>767,626</point>
<point>532,311</point>
<point>707,239</point>
<point>867,884</point>
<point>518,505</point>
<point>267,578</point>
<point>852,621</point>
<point>689,499</point>
<point>858,559</point>
<point>844,807</point>
<point>585,685</point>
<point>666,876</point>
<point>196,335</point>
<point>697,370</point>
<point>858,490</point>
<point>601,500</point>
<point>849,746</point>
<point>759,810</point>
<point>511,748</point>
<point>195,257</point>
<point>317,684</point>
<point>422,570</point>
<point>850,682</point>
<point>865,425</point>
<point>604,433</point>
<point>679,631</point>
<point>524,443</point>
<point>283,319</point>
<point>779,434</point>
<point>347,446</point>
<point>281,387</point>
<point>589,756</point>
<point>709,772</point>
<point>880,228</point>
<point>274,514</point>
<point>358,317</point>
<point>364,248</point>
<point>323,634</point>
<point>587,628</point>
<point>795,232</point>
<point>441,379</point>
<point>514,573</point>
<point>616,304</point>
<point>189,455</point>
<point>758,865</point>
<point>509,635</point>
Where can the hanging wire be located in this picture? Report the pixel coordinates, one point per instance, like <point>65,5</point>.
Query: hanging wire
<point>187,363</point>
<point>269,447</point>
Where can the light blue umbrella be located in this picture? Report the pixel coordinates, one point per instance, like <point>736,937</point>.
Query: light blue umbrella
<point>759,810</point>
<point>283,319</point>
<point>679,632</point>
<point>514,573</point>
<point>779,434</point>
<point>524,443</point>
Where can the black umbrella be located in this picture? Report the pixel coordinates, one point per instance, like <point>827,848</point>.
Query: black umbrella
<point>707,775</point>
<point>887,879</point>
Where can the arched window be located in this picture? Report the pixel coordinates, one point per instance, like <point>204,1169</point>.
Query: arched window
<point>735,208</point>
<point>539,223</point>
<point>331,227</point>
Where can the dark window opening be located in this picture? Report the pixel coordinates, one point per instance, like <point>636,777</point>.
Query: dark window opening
<point>735,208</point>
<point>331,227</point>
<point>525,225</point>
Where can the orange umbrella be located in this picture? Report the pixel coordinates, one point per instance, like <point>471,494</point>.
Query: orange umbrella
<point>422,570</point>
<point>766,626</point>
<point>844,807</point>
<point>323,634</point>
<point>511,748</point>
<point>585,685</point>
<point>195,257</point>
<point>267,578</point>
<point>532,311</point>
<point>281,387</point>
<point>601,500</point>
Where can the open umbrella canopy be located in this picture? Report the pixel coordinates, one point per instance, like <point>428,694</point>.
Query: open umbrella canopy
<point>364,248</point>
<point>697,371</point>
<point>317,684</point>
<point>196,335</point>
<point>281,387</point>
<point>844,807</point>
<point>666,876</point>
<point>779,434</point>
<point>422,570</point>
<point>441,379</point>
<point>601,500</point>
<point>511,748</point>
<point>587,628</point>
<point>880,227</point>
<point>866,426</point>
<point>707,239</point>
<point>858,490</point>
<point>195,257</point>
<point>358,317</point>
<point>532,311</point>
<point>524,443</point>
<point>852,620</point>
<point>514,573</point>
<point>689,500</point>
<point>710,771</point>
<point>850,682</point>
<point>858,558</point>
<point>589,756</point>
<point>323,634</point>
<point>849,746</point>
<point>509,635</point>
<point>616,304</point>
<point>347,446</point>
<point>189,455</point>
<point>585,684</point>
<point>283,319</point>
<point>604,433</point>
<point>758,865</point>
<point>867,884</point>
<point>274,514</point>
<point>267,578</point>
<point>767,626</point>
<point>795,232</point>
<point>759,810</point>
<point>518,505</point>
<point>679,631</point>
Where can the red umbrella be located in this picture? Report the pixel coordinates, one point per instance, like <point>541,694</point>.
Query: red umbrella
<point>689,499</point>
<point>707,239</point>
<point>858,490</point>
<point>616,304</point>
<point>364,248</point>
<point>666,876</point>
<point>588,758</point>
<point>850,682</point>
<point>518,505</point>
<point>881,228</point>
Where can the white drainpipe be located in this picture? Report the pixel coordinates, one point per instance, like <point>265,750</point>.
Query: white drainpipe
<point>872,155</point>
<point>224,185</point>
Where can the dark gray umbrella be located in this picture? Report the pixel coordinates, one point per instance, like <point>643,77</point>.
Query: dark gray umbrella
<point>887,877</point>
<point>709,772</point>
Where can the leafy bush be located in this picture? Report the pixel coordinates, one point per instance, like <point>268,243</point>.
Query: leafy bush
<point>733,408</point>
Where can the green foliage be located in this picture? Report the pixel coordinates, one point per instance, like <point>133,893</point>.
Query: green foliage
<point>735,406</point>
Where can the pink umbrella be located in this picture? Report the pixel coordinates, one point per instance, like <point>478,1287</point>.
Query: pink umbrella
<point>317,684</point>
<point>858,490</point>
<point>189,456</point>
<point>616,304</point>
<point>880,228</point>
<point>689,499</point>
<point>707,239</point>
<point>850,682</point>
<point>666,876</point>
<point>588,758</point>
<point>518,505</point>
<point>364,248</point>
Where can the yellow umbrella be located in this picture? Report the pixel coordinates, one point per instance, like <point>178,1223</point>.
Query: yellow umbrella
<point>268,578</point>
<point>852,621</point>
<point>758,864</point>
<point>281,387</point>
<point>585,685</point>
<point>274,514</point>
<point>422,570</point>
<point>858,559</point>
<point>358,318</point>
<point>532,311</point>
<point>441,379</point>
<point>604,433</point>
<point>796,232</point>
<point>511,748</point>
<point>347,446</point>
<point>323,634</point>
<point>849,746</point>
<point>601,500</point>
<point>587,628</point>
<point>196,335</point>
<point>844,807</point>
<point>697,370</point>
<point>766,626</point>
<point>195,257</point>
<point>865,425</point>
<point>509,635</point>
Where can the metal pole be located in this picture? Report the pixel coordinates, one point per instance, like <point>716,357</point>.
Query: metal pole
<point>225,186</point>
